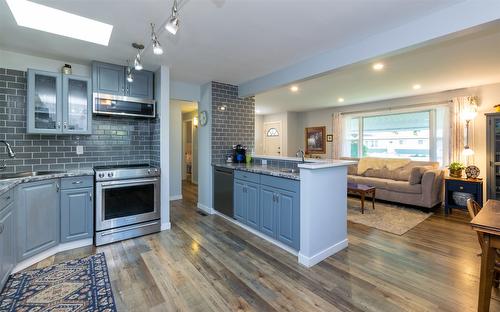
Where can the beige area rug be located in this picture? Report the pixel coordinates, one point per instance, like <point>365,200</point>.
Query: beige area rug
<point>386,217</point>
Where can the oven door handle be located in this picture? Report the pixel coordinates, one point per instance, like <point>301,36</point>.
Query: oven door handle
<point>129,182</point>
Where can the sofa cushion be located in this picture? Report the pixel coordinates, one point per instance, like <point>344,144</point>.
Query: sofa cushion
<point>404,187</point>
<point>417,174</point>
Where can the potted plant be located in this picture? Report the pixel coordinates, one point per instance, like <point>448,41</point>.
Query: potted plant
<point>456,169</point>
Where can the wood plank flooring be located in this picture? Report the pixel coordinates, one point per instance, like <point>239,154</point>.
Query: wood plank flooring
<point>205,263</point>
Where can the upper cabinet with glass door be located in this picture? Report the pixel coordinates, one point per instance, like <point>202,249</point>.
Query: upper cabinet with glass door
<point>58,104</point>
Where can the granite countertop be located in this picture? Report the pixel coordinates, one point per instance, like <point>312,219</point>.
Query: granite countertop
<point>261,169</point>
<point>8,184</point>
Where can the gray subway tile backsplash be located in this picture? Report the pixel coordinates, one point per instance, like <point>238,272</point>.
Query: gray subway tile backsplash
<point>114,140</point>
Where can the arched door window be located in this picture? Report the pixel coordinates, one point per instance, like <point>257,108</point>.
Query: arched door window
<point>272,132</point>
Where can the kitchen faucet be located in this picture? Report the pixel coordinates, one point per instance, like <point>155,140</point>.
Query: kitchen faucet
<point>10,152</point>
<point>301,153</point>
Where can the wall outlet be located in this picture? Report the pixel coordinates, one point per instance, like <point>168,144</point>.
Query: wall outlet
<point>264,161</point>
<point>79,149</point>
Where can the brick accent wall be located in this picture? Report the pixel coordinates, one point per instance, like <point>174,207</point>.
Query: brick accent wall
<point>114,140</point>
<point>236,125</point>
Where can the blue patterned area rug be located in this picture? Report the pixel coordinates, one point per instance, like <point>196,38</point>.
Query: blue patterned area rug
<point>77,285</point>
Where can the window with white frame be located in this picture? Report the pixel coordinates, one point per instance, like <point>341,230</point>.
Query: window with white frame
<point>416,134</point>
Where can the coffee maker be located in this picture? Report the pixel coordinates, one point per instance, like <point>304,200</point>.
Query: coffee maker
<point>239,153</point>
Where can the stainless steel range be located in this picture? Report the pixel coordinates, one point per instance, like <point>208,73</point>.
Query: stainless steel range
<point>127,202</point>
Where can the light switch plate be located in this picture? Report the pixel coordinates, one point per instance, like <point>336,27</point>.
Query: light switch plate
<point>79,149</point>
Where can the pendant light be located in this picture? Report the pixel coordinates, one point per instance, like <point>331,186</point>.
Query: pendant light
<point>157,49</point>
<point>130,77</point>
<point>172,25</point>
<point>137,61</point>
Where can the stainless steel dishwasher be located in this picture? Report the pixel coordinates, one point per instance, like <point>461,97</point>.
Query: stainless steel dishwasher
<point>223,191</point>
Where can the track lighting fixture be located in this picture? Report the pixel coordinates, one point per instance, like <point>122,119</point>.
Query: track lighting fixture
<point>137,61</point>
<point>172,25</point>
<point>130,77</point>
<point>157,49</point>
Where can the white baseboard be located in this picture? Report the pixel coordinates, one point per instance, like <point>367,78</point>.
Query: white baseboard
<point>257,233</point>
<point>52,251</point>
<point>165,226</point>
<point>175,197</point>
<point>206,209</point>
<point>322,255</point>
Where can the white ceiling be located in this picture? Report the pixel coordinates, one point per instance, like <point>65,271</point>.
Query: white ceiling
<point>186,106</point>
<point>466,61</point>
<point>230,41</point>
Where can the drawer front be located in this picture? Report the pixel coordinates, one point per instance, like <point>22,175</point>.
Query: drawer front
<point>281,183</point>
<point>247,176</point>
<point>77,182</point>
<point>5,199</point>
<point>458,186</point>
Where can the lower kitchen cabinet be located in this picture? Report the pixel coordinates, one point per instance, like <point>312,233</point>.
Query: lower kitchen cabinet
<point>246,203</point>
<point>7,243</point>
<point>76,214</point>
<point>272,207</point>
<point>37,217</point>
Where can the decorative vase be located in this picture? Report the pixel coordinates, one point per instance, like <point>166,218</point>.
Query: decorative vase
<point>457,173</point>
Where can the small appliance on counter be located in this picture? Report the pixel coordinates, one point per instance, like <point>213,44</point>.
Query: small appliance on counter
<point>239,153</point>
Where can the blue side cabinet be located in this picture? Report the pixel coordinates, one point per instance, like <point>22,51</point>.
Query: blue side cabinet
<point>270,205</point>
<point>37,217</point>
<point>7,237</point>
<point>77,208</point>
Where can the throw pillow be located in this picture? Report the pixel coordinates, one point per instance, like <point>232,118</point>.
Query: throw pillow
<point>417,173</point>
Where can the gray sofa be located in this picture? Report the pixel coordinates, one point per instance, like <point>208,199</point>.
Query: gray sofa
<point>419,183</point>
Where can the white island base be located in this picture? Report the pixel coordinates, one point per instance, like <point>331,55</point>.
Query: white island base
<point>323,210</point>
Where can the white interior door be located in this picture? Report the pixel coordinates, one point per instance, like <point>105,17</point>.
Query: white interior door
<point>272,138</point>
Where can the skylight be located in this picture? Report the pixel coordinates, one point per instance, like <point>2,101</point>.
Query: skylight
<point>44,18</point>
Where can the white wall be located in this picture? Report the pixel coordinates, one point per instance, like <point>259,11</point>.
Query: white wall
<point>205,182</point>
<point>294,134</point>
<point>175,136</point>
<point>19,61</point>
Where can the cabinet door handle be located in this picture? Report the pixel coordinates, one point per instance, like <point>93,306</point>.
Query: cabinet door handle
<point>57,187</point>
<point>58,125</point>
<point>65,125</point>
<point>1,228</point>
<point>274,197</point>
<point>277,198</point>
<point>90,195</point>
<point>78,182</point>
<point>461,187</point>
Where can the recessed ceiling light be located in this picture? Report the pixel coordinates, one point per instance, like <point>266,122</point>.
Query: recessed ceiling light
<point>378,66</point>
<point>44,18</point>
<point>340,100</point>
<point>257,111</point>
<point>417,86</point>
<point>294,88</point>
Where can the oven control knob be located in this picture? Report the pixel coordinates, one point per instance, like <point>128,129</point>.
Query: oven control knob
<point>110,174</point>
<point>156,170</point>
<point>149,171</point>
<point>101,175</point>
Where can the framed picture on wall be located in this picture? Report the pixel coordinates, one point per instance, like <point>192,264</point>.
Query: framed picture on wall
<point>315,140</point>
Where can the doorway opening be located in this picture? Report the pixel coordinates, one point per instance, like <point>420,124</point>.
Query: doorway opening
<point>272,138</point>
<point>189,163</point>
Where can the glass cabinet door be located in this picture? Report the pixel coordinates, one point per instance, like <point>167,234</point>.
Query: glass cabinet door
<point>76,105</point>
<point>44,95</point>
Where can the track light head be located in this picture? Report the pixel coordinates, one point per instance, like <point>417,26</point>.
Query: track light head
<point>157,49</point>
<point>173,22</point>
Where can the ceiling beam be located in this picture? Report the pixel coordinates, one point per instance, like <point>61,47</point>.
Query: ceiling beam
<point>451,22</point>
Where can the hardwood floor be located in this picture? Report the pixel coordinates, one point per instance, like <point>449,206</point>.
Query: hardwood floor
<point>205,263</point>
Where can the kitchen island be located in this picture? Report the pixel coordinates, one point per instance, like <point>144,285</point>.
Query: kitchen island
<point>300,206</point>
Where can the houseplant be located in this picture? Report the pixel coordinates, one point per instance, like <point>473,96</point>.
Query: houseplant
<point>456,169</point>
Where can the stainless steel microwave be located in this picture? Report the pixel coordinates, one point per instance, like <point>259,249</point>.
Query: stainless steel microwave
<point>109,104</point>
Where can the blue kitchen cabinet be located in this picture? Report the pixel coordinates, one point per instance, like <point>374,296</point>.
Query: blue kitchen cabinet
<point>76,214</point>
<point>252,203</point>
<point>112,79</point>
<point>108,78</point>
<point>58,104</point>
<point>37,217</point>
<point>246,202</point>
<point>76,105</point>
<point>240,204</point>
<point>7,237</point>
<point>268,211</point>
<point>142,86</point>
<point>288,218</point>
